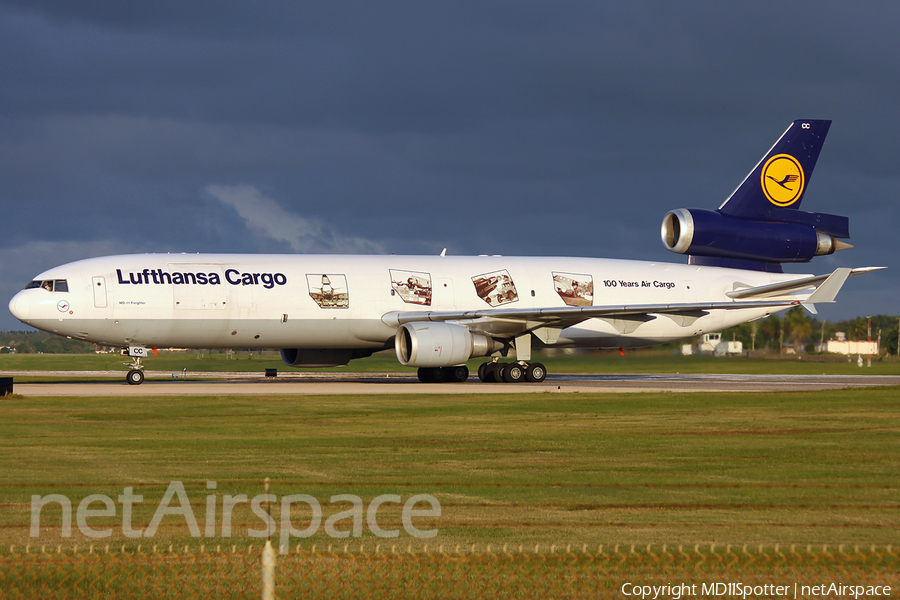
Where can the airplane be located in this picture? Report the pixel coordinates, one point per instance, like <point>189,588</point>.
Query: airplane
<point>437,312</point>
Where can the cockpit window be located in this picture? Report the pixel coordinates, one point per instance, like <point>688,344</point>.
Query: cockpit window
<point>51,285</point>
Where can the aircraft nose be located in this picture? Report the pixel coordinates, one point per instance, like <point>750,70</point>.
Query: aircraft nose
<point>19,305</point>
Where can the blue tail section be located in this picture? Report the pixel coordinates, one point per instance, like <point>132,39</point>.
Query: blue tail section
<point>760,225</point>
<point>782,176</point>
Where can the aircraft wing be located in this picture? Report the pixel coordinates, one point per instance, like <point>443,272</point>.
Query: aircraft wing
<point>627,318</point>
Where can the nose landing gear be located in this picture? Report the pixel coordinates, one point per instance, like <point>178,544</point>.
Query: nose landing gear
<point>135,375</point>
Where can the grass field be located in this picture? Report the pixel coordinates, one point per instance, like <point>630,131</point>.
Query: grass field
<point>816,467</point>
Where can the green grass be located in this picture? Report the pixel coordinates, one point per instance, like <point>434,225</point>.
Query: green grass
<point>804,467</point>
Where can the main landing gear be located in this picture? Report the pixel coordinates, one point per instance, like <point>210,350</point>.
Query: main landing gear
<point>443,374</point>
<point>496,372</point>
<point>493,372</point>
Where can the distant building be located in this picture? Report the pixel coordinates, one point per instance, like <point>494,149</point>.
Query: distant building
<point>708,343</point>
<point>712,343</point>
<point>841,345</point>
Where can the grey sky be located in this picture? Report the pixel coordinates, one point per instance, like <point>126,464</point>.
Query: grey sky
<point>565,128</point>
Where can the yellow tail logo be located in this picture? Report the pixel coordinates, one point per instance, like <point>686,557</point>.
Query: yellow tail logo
<point>782,180</point>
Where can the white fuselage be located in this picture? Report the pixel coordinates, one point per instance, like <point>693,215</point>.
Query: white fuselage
<point>339,301</point>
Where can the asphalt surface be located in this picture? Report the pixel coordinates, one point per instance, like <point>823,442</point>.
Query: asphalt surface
<point>221,384</point>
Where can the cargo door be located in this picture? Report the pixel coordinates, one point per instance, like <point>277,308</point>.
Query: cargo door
<point>99,287</point>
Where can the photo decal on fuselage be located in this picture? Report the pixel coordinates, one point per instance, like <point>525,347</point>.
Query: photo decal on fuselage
<point>412,287</point>
<point>329,290</point>
<point>574,289</point>
<point>495,288</point>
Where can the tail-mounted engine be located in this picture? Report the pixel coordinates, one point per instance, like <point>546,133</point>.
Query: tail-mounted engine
<point>706,233</point>
<point>760,225</point>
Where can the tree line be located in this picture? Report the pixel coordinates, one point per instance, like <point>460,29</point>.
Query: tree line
<point>798,330</point>
<point>39,342</point>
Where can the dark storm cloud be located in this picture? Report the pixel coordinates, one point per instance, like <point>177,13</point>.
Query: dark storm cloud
<point>512,127</point>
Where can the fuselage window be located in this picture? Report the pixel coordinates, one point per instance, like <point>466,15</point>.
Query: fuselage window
<point>51,285</point>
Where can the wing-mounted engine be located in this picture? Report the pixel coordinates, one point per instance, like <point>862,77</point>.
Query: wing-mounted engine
<point>427,344</point>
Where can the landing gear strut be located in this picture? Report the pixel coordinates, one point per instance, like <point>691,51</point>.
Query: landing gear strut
<point>135,375</point>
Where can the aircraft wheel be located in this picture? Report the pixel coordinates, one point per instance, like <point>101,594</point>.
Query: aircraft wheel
<point>514,373</point>
<point>458,374</point>
<point>481,369</point>
<point>489,375</point>
<point>500,373</point>
<point>535,372</point>
<point>135,377</point>
<point>437,374</point>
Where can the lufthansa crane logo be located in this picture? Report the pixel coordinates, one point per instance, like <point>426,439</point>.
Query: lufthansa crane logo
<point>782,179</point>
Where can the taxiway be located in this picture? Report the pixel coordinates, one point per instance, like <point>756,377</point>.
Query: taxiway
<point>222,384</point>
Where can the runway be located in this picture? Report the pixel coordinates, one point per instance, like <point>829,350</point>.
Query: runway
<point>296,384</point>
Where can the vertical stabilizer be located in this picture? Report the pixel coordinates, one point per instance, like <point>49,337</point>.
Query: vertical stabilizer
<point>780,179</point>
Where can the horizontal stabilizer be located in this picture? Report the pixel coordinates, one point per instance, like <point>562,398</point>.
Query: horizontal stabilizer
<point>796,285</point>
<point>828,290</point>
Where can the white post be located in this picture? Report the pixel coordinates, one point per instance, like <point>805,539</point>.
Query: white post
<point>869,338</point>
<point>268,571</point>
<point>268,558</point>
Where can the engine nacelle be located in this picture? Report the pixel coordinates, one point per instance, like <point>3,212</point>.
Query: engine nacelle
<point>321,357</point>
<point>438,344</point>
<point>711,233</point>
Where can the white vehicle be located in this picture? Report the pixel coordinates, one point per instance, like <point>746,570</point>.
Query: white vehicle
<point>440,311</point>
